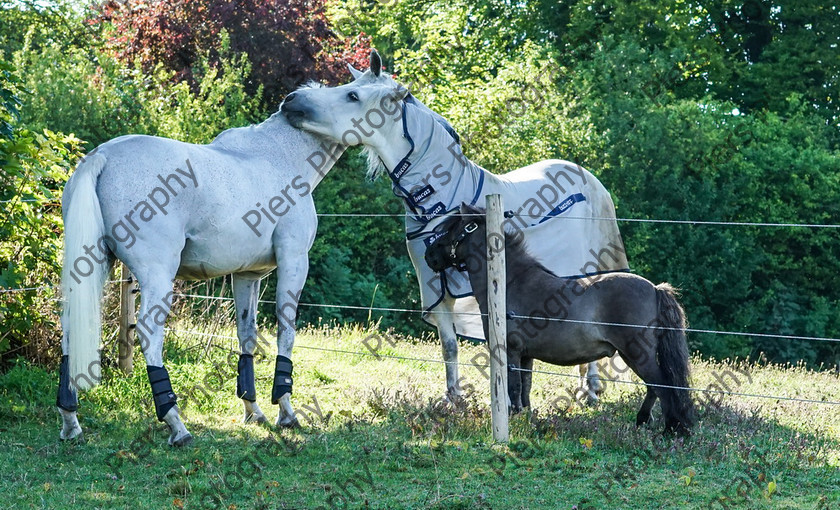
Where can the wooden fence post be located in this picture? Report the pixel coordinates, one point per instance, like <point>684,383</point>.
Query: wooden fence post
<point>128,320</point>
<point>497,311</point>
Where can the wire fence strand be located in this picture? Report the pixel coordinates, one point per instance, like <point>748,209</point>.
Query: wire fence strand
<point>25,289</point>
<point>625,220</point>
<point>532,216</point>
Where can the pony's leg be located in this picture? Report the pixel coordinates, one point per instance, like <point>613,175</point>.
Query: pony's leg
<point>590,384</point>
<point>292,268</point>
<point>514,382</point>
<point>643,415</point>
<point>156,298</point>
<point>246,289</point>
<point>67,400</point>
<point>527,365</point>
<point>643,363</point>
<point>593,379</point>
<point>449,343</point>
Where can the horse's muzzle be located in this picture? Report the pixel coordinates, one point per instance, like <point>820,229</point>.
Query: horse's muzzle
<point>295,117</point>
<point>435,258</point>
<point>294,112</point>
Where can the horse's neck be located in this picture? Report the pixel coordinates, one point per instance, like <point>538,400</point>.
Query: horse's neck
<point>314,156</point>
<point>393,147</point>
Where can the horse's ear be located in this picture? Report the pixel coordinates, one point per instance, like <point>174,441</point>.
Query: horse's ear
<point>375,63</point>
<point>355,72</point>
<point>468,209</point>
<point>400,93</point>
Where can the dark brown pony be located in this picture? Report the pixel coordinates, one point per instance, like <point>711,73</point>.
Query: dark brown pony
<point>569,321</point>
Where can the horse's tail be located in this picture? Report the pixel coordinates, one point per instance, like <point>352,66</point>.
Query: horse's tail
<point>83,273</point>
<point>672,357</point>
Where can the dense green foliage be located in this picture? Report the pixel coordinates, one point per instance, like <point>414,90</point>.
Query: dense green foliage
<point>35,166</point>
<point>709,111</point>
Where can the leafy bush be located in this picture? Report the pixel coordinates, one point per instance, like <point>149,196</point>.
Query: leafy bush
<point>79,91</point>
<point>35,167</point>
<point>173,110</point>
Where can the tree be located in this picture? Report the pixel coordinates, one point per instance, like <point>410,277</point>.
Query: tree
<point>287,42</point>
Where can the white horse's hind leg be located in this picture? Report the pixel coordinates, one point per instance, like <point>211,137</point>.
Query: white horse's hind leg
<point>590,384</point>
<point>449,343</point>
<point>67,400</point>
<point>155,302</point>
<point>70,428</point>
<point>246,289</point>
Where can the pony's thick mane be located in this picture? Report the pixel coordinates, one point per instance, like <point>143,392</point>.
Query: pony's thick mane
<point>518,248</point>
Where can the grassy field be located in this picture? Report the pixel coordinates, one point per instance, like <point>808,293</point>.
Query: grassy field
<point>376,435</point>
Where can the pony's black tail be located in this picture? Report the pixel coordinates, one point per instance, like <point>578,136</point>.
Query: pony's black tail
<point>672,358</point>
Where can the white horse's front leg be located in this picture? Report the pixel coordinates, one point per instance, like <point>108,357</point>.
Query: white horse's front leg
<point>281,391</point>
<point>246,290</point>
<point>590,384</point>
<point>444,319</point>
<point>292,268</point>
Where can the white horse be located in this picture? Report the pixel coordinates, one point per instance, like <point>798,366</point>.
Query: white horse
<point>241,204</point>
<point>423,158</point>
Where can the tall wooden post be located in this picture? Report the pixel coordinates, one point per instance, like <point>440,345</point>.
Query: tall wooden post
<point>497,319</point>
<point>128,319</point>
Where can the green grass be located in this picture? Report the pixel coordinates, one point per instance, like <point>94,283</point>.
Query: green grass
<point>375,435</point>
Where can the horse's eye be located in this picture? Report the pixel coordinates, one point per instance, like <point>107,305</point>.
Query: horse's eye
<point>352,96</point>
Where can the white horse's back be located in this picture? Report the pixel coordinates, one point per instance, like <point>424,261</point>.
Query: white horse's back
<point>158,192</point>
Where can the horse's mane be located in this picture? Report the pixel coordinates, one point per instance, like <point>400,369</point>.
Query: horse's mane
<point>517,248</point>
<point>374,163</point>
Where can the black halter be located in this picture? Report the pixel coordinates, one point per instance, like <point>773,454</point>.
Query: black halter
<point>469,228</point>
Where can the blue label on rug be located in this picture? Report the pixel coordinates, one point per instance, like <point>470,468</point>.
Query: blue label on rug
<point>564,206</point>
<point>401,169</point>
<point>423,193</point>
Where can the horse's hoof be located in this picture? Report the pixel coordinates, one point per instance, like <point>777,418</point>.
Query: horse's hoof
<point>587,398</point>
<point>184,440</point>
<point>456,400</point>
<point>676,428</point>
<point>288,423</point>
<point>74,434</point>
<point>254,418</point>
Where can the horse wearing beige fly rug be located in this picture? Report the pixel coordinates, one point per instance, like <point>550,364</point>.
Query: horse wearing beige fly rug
<point>561,209</point>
